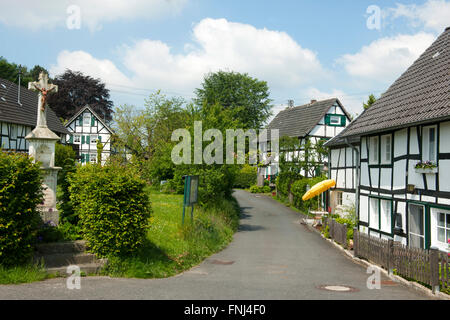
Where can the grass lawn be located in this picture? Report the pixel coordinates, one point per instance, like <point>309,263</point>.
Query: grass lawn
<point>172,248</point>
<point>22,274</point>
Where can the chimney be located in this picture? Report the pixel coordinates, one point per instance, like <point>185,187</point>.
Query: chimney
<point>313,101</point>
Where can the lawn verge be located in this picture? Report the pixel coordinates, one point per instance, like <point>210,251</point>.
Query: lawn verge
<point>172,248</point>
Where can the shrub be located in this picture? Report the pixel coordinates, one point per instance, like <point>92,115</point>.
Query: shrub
<point>255,189</point>
<point>246,177</point>
<point>20,193</point>
<point>65,158</point>
<point>298,189</point>
<point>113,207</point>
<point>266,189</point>
<point>284,181</point>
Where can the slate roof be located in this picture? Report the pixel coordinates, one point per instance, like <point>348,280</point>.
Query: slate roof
<point>420,95</point>
<point>25,114</point>
<point>299,121</point>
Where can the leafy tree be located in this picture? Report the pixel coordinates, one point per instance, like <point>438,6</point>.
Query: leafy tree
<point>76,90</point>
<point>147,133</point>
<point>369,102</point>
<point>10,71</point>
<point>247,97</point>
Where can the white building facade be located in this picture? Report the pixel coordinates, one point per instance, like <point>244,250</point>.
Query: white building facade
<point>86,128</point>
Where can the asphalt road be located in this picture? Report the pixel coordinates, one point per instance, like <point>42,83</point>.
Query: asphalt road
<point>272,256</point>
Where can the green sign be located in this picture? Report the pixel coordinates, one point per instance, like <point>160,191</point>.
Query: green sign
<point>190,194</point>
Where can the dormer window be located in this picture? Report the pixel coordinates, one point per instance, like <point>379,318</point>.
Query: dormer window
<point>86,119</point>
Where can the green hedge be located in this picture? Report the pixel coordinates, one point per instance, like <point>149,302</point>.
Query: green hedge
<point>257,189</point>
<point>113,208</point>
<point>284,181</point>
<point>20,193</point>
<point>298,189</point>
<point>246,177</point>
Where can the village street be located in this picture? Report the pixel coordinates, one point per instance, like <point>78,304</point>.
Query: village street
<point>272,256</point>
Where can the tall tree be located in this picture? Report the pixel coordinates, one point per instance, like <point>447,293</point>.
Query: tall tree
<point>247,97</point>
<point>76,90</point>
<point>369,102</point>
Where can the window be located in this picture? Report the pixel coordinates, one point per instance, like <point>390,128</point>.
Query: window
<point>336,120</point>
<point>94,139</point>
<point>93,157</point>
<point>86,119</point>
<point>373,150</point>
<point>429,144</point>
<point>386,215</point>
<point>443,227</point>
<point>13,134</point>
<point>339,198</point>
<point>374,213</point>
<point>386,146</point>
<point>416,226</point>
<point>77,138</point>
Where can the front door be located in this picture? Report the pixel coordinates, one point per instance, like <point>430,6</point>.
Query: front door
<point>416,218</point>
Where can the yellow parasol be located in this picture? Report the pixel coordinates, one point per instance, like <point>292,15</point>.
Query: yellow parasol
<point>318,189</point>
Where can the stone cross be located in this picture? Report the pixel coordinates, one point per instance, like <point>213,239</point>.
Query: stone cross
<point>44,89</point>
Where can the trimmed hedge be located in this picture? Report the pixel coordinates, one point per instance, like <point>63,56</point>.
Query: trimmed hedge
<point>20,193</point>
<point>298,189</point>
<point>257,189</point>
<point>113,207</point>
<point>246,177</point>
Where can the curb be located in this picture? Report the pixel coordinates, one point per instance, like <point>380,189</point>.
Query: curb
<point>398,279</point>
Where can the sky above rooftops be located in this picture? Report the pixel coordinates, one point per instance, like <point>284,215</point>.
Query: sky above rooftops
<point>304,49</point>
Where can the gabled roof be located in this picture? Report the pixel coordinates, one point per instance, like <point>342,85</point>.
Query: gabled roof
<point>95,115</point>
<point>420,95</point>
<point>25,114</point>
<point>299,121</point>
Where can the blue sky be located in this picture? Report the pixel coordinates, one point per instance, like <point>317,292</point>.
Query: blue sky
<point>303,49</point>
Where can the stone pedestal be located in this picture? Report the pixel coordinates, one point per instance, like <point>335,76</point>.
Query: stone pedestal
<point>42,148</point>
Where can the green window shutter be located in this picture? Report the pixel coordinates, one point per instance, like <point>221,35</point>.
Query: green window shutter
<point>88,139</point>
<point>71,139</point>
<point>82,157</point>
<point>82,139</point>
<point>80,121</point>
<point>87,157</point>
<point>344,121</point>
<point>92,121</point>
<point>100,138</point>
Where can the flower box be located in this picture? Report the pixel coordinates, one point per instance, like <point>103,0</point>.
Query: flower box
<point>426,170</point>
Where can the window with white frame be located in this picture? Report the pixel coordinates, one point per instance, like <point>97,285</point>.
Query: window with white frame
<point>86,119</point>
<point>77,138</point>
<point>373,150</point>
<point>443,227</point>
<point>386,215</point>
<point>374,212</point>
<point>386,147</point>
<point>429,144</point>
<point>335,120</point>
<point>339,198</point>
<point>94,139</point>
<point>93,158</point>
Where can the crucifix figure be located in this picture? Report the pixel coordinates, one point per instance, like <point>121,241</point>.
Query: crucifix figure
<point>44,89</point>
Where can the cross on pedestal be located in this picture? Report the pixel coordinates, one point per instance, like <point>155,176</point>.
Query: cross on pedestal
<point>44,89</point>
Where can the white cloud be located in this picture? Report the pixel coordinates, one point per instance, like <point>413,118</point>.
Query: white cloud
<point>47,14</point>
<point>385,59</point>
<point>433,14</point>
<point>217,45</point>
<point>84,62</point>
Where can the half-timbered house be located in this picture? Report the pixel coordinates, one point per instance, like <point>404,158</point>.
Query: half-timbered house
<point>18,117</point>
<point>318,120</point>
<point>402,147</point>
<point>86,128</point>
